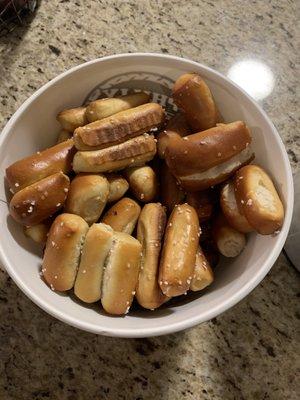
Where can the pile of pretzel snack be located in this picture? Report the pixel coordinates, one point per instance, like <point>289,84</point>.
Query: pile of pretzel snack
<point>192,195</point>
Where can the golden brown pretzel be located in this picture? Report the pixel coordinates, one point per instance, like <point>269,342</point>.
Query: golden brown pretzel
<point>38,233</point>
<point>142,182</point>
<point>258,199</point>
<point>207,158</point>
<point>118,186</point>
<point>38,201</point>
<point>87,196</point>
<point>104,108</point>
<point>121,274</point>
<point>40,165</point>
<point>119,127</point>
<point>231,210</point>
<point>123,215</point>
<point>151,226</point>
<point>192,95</point>
<point>133,152</point>
<point>228,240</point>
<point>72,118</point>
<point>62,252</point>
<point>98,242</point>
<point>203,275</point>
<point>179,251</point>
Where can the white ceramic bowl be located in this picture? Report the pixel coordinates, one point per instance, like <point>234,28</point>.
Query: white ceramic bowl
<point>33,127</point>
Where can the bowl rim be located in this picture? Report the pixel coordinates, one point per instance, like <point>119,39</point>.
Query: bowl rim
<point>193,320</point>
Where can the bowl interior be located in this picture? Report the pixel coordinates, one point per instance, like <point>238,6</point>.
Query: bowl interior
<point>34,127</point>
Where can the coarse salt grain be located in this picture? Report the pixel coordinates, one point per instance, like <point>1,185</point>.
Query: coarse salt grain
<point>84,271</point>
<point>17,184</point>
<point>242,201</point>
<point>276,233</point>
<point>58,204</point>
<point>55,276</point>
<point>66,190</point>
<point>30,209</point>
<point>249,202</point>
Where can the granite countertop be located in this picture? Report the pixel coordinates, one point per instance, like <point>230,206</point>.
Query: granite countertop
<point>249,352</point>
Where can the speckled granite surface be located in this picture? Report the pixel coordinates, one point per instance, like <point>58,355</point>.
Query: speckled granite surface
<point>250,352</point>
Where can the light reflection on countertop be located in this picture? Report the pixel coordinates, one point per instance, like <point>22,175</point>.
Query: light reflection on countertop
<point>254,76</point>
